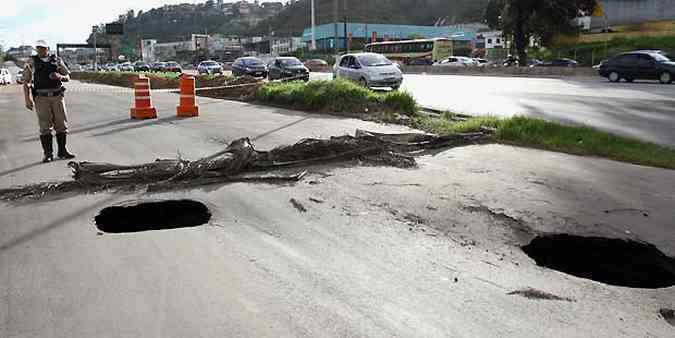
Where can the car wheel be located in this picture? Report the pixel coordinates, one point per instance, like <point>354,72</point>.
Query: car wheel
<point>614,77</point>
<point>363,82</point>
<point>666,78</point>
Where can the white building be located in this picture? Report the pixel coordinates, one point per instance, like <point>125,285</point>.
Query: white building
<point>494,39</point>
<point>280,46</point>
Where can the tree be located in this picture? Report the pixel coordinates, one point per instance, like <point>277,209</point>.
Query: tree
<point>523,19</point>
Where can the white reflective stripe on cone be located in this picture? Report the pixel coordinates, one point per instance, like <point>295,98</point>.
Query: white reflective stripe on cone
<point>143,97</point>
<point>142,91</point>
<point>184,96</point>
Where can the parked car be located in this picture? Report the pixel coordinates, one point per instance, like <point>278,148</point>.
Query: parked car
<point>455,61</point>
<point>480,62</point>
<point>562,62</point>
<point>172,67</point>
<point>209,67</point>
<point>140,66</point>
<point>110,67</point>
<point>157,66</point>
<point>315,65</point>
<point>647,65</point>
<point>249,66</point>
<point>368,69</point>
<point>5,76</point>
<point>126,67</point>
<point>287,67</point>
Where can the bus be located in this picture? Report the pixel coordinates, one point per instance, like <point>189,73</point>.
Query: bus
<point>432,50</point>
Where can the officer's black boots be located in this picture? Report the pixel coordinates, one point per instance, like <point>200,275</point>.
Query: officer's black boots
<point>47,148</point>
<point>63,152</point>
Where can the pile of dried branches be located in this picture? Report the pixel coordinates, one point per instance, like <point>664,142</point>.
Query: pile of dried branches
<point>240,161</point>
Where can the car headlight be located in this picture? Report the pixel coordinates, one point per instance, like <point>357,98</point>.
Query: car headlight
<point>248,69</point>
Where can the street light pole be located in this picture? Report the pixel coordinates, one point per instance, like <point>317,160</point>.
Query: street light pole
<point>313,47</point>
<point>94,30</point>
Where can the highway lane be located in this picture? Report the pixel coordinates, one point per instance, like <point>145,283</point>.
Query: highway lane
<point>644,110</point>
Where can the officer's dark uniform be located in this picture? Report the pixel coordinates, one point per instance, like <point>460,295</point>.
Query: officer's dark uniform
<point>48,92</point>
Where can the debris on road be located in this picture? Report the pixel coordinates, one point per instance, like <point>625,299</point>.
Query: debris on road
<point>316,200</point>
<point>296,204</point>
<point>241,162</point>
<point>531,293</point>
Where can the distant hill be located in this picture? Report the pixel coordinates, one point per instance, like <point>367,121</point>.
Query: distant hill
<point>178,22</point>
<point>294,18</point>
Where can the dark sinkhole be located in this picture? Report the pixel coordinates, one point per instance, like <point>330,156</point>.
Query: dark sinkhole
<point>148,216</point>
<point>610,261</point>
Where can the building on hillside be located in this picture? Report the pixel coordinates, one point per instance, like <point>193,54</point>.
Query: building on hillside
<point>283,46</point>
<point>362,33</point>
<point>624,12</point>
<point>21,52</point>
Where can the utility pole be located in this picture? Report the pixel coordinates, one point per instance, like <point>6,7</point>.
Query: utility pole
<point>94,29</point>
<point>335,25</point>
<point>313,46</point>
<point>345,28</point>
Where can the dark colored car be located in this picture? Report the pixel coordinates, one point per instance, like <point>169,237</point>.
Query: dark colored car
<point>420,62</point>
<point>141,66</point>
<point>172,67</point>
<point>647,65</point>
<point>564,62</point>
<point>157,66</point>
<point>287,67</point>
<point>249,66</point>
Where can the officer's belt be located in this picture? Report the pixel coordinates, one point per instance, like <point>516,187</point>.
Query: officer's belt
<point>49,92</point>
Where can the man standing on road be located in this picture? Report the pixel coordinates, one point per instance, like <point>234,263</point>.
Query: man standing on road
<point>43,78</point>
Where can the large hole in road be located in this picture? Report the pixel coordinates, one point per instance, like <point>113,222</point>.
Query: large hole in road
<point>152,216</point>
<point>611,261</point>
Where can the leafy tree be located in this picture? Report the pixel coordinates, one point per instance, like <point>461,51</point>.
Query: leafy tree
<point>524,19</point>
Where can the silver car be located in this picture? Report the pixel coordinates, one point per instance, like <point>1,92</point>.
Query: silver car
<point>368,69</point>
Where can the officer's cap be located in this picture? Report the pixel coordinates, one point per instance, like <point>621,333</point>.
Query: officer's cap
<point>41,43</point>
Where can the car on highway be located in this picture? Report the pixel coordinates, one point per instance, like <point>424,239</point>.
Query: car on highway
<point>209,67</point>
<point>480,62</point>
<point>640,65</point>
<point>126,67</point>
<point>561,62</point>
<point>456,61</point>
<point>5,76</point>
<point>249,66</point>
<point>420,62</point>
<point>157,67</point>
<point>287,67</point>
<point>110,67</point>
<point>369,70</point>
<point>140,66</point>
<point>315,65</point>
<point>172,67</point>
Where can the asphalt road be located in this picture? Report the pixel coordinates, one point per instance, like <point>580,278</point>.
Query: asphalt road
<point>644,110</point>
<point>380,252</point>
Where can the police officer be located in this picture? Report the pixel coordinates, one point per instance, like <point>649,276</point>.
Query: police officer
<point>43,90</point>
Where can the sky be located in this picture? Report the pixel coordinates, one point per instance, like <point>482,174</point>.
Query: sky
<point>64,21</point>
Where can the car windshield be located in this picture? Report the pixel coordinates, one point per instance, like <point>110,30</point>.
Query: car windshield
<point>210,63</point>
<point>172,64</point>
<point>373,60</point>
<point>252,62</point>
<point>290,62</point>
<point>661,58</point>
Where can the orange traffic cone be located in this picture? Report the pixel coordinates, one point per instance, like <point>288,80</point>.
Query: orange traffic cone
<point>143,108</point>
<point>187,107</point>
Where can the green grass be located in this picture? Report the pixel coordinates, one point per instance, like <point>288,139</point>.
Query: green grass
<point>337,96</point>
<point>542,134</point>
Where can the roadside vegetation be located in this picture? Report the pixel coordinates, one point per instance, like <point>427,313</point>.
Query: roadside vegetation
<point>157,80</point>
<point>542,134</point>
<point>338,96</point>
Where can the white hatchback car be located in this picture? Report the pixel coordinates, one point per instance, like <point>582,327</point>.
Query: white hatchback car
<point>456,61</point>
<point>368,69</point>
<point>5,76</point>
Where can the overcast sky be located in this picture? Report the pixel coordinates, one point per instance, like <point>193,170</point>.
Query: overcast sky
<point>64,21</point>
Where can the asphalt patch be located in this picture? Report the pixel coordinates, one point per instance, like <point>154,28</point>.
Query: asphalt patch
<point>611,261</point>
<point>161,215</point>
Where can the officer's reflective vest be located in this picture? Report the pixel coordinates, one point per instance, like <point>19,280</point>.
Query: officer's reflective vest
<point>42,71</point>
